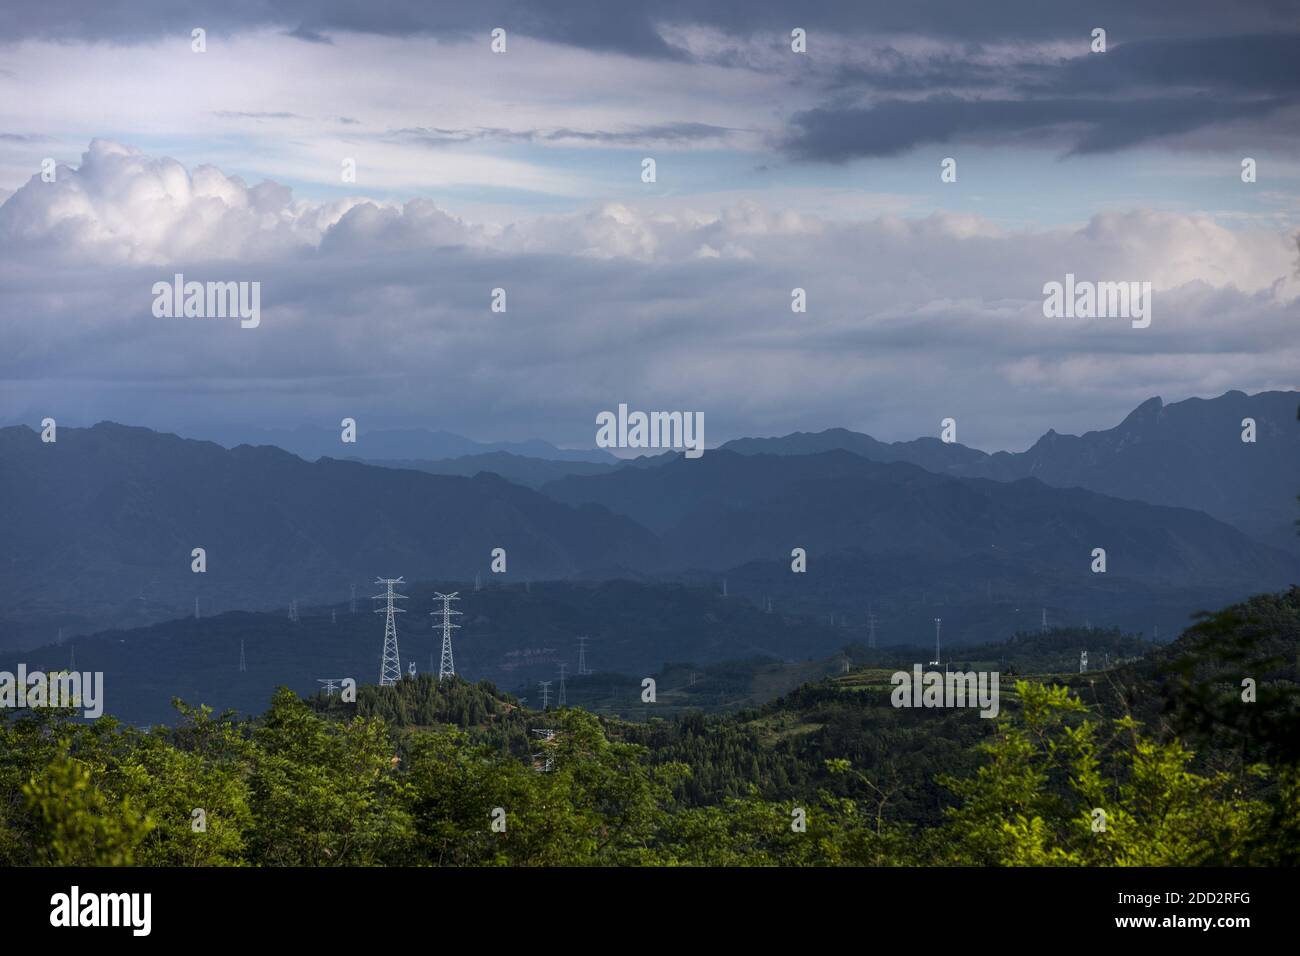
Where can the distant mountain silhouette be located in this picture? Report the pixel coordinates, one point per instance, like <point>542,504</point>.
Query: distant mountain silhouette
<point>725,509</point>
<point>521,469</point>
<point>312,442</point>
<point>1189,454</point>
<point>98,528</point>
<point>102,522</point>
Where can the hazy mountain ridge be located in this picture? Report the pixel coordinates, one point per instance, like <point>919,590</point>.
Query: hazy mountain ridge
<point>1187,453</point>
<point>104,512</point>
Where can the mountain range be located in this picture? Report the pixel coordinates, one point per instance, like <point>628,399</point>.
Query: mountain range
<point>99,527</point>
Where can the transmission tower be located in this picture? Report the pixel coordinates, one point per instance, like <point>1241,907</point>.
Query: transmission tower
<point>196,607</point>
<point>293,611</point>
<point>331,684</point>
<point>937,622</point>
<point>583,670</point>
<point>564,701</point>
<point>352,603</point>
<point>478,583</point>
<point>410,669</point>
<point>545,685</point>
<point>871,623</point>
<point>390,667</point>
<point>1044,619</point>
<point>243,662</point>
<point>334,616</point>
<point>724,587</point>
<point>447,667</point>
<point>846,663</point>
<point>1083,662</point>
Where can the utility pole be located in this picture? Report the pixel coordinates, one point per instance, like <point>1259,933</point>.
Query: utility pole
<point>447,667</point>
<point>390,665</point>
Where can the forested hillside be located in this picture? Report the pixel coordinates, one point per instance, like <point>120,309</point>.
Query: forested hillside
<point>1186,768</point>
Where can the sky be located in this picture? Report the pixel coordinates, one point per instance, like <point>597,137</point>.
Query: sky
<point>522,170</point>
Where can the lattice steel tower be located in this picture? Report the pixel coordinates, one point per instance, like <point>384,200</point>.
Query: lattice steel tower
<point>583,671</point>
<point>564,700</point>
<point>390,667</point>
<point>447,667</point>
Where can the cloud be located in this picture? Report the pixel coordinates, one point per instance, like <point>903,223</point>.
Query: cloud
<point>381,310</point>
<point>1094,102</point>
<point>636,29</point>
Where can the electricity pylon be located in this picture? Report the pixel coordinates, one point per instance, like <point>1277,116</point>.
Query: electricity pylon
<point>871,622</point>
<point>545,685</point>
<point>352,603</point>
<point>243,662</point>
<point>331,684</point>
<point>563,702</point>
<point>582,657</point>
<point>447,667</point>
<point>293,611</point>
<point>390,667</point>
<point>937,622</point>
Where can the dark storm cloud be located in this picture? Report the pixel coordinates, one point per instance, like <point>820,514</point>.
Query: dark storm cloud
<point>1096,102</point>
<point>633,27</point>
<point>1087,126</point>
